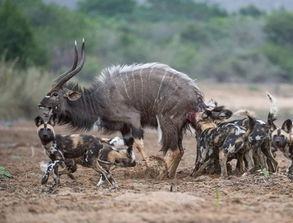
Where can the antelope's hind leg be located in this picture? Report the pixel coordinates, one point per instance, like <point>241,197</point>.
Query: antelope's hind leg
<point>172,159</point>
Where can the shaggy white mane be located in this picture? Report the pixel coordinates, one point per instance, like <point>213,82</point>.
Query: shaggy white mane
<point>115,70</point>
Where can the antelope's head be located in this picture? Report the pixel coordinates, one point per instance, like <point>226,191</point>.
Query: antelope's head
<point>57,99</point>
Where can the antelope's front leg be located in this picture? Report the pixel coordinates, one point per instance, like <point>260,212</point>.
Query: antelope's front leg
<point>139,145</point>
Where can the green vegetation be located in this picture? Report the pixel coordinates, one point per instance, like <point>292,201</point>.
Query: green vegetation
<point>264,172</point>
<point>279,48</point>
<point>200,39</point>
<point>17,37</point>
<point>4,173</point>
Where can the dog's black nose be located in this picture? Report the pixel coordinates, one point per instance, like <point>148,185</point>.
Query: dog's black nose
<point>45,136</point>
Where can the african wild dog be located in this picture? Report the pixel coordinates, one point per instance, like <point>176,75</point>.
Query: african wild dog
<point>220,143</point>
<point>282,140</point>
<point>259,140</point>
<point>85,150</point>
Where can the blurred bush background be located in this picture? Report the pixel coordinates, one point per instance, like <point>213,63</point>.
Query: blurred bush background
<point>218,42</point>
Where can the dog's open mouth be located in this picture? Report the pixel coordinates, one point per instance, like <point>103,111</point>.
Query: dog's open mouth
<point>47,112</point>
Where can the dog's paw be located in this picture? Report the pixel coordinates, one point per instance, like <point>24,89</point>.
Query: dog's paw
<point>44,179</point>
<point>245,174</point>
<point>70,175</point>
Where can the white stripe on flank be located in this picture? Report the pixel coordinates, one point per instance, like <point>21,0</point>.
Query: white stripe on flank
<point>133,82</point>
<point>159,129</point>
<point>141,85</point>
<point>125,88</point>
<point>158,93</point>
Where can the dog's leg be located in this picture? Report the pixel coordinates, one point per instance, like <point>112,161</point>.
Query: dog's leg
<point>240,162</point>
<point>56,176</point>
<point>257,157</point>
<point>268,153</point>
<point>106,175</point>
<point>112,180</point>
<point>45,177</point>
<point>101,180</point>
<point>201,168</point>
<point>223,157</point>
<point>262,158</point>
<point>290,171</point>
<point>250,163</point>
<point>71,167</point>
<point>195,169</point>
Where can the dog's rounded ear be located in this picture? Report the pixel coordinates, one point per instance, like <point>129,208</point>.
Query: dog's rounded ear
<point>225,114</point>
<point>39,121</point>
<point>206,114</point>
<point>273,127</point>
<point>52,120</point>
<point>271,123</point>
<point>287,126</point>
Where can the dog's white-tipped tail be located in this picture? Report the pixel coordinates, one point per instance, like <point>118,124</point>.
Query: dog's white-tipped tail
<point>273,105</point>
<point>44,166</point>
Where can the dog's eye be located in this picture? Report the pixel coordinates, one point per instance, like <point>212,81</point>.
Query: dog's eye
<point>55,94</point>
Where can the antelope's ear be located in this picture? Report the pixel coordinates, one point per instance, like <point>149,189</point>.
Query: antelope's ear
<point>39,121</point>
<point>52,120</point>
<point>72,95</point>
<point>287,126</point>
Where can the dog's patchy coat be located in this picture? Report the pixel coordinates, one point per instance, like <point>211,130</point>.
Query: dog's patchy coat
<point>85,150</point>
<point>222,142</point>
<point>282,140</point>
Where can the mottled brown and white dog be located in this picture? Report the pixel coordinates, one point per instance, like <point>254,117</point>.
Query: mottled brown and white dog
<point>282,139</point>
<point>259,140</point>
<point>220,142</point>
<point>85,150</point>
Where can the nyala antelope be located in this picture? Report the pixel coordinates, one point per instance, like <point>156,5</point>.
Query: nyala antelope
<point>127,98</point>
<point>85,150</point>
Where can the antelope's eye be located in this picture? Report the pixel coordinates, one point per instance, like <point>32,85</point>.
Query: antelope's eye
<point>55,94</point>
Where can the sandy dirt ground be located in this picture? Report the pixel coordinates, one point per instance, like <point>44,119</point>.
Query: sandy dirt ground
<point>252,198</point>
